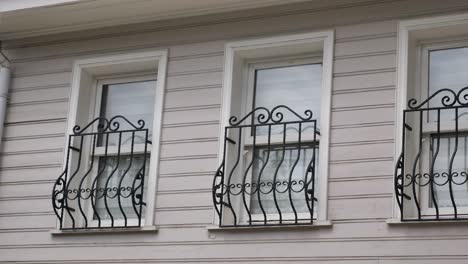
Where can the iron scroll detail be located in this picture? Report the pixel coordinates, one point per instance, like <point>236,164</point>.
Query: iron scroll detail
<point>103,182</point>
<point>427,176</point>
<point>449,99</point>
<point>268,171</point>
<point>274,116</point>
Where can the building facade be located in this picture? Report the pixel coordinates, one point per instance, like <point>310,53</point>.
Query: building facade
<point>315,131</point>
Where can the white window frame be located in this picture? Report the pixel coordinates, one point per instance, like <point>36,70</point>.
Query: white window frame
<point>416,37</point>
<point>112,150</point>
<point>248,103</point>
<point>431,127</point>
<point>83,100</point>
<point>275,48</point>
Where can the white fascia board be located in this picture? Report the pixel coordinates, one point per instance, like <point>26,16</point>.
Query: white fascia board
<point>13,5</point>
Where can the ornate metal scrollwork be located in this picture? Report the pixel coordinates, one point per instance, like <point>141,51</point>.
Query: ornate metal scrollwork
<point>274,116</point>
<point>245,191</point>
<point>449,99</point>
<point>105,189</point>
<point>421,182</point>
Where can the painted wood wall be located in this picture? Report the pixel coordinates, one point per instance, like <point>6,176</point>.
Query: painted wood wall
<point>361,153</point>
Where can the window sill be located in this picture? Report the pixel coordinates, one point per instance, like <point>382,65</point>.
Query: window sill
<point>316,224</point>
<point>58,232</point>
<point>397,221</point>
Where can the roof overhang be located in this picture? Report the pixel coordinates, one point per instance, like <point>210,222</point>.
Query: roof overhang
<point>28,18</point>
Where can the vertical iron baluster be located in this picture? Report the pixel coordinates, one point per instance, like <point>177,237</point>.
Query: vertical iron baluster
<point>275,183</point>
<point>222,179</point>
<point>119,190</point>
<point>137,205</point>
<point>239,146</point>
<point>432,164</point>
<point>416,169</point>
<point>143,173</point>
<point>94,187</point>
<point>450,171</point>
<point>106,189</point>
<point>140,175</point>
<point>260,176</point>
<point>71,179</point>
<point>290,182</point>
<point>312,180</point>
<point>244,200</point>
<point>403,161</point>
<point>65,190</point>
<point>80,187</point>
<point>214,191</point>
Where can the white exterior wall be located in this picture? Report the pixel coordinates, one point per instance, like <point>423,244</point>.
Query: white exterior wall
<point>361,153</point>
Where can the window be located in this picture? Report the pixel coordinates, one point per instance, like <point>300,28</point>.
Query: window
<point>118,168</point>
<point>431,173</point>
<point>111,162</point>
<point>295,84</point>
<point>270,170</point>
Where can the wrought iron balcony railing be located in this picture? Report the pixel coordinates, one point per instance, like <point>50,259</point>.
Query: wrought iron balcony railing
<point>432,171</point>
<point>268,170</point>
<point>103,183</point>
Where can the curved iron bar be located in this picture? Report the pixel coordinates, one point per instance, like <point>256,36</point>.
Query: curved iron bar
<point>461,96</point>
<point>234,167</point>
<point>398,182</point>
<point>106,188</point>
<point>249,167</point>
<point>95,180</point>
<point>137,198</point>
<point>278,208</point>
<point>432,164</point>
<point>273,115</point>
<point>414,181</point>
<point>216,186</point>
<point>279,115</point>
<point>310,194</point>
<point>461,174</point>
<point>449,99</point>
<point>287,185</point>
<point>259,178</point>
<point>119,197</point>
<point>450,172</point>
<point>59,195</point>
<point>114,125</point>
<point>69,192</point>
<point>291,202</point>
<point>104,125</point>
<point>81,191</point>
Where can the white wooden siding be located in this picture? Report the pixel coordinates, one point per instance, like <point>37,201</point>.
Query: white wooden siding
<point>361,152</point>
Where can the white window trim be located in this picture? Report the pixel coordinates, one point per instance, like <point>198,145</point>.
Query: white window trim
<point>90,70</point>
<point>324,38</point>
<point>112,150</point>
<point>406,29</point>
<point>248,102</point>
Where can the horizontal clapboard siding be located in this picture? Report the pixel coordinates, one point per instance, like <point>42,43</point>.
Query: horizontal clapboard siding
<point>361,152</point>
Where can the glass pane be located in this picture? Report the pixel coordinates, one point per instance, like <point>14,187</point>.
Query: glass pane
<point>447,69</point>
<point>111,181</point>
<point>441,169</point>
<point>134,101</point>
<point>285,165</point>
<point>298,87</point>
